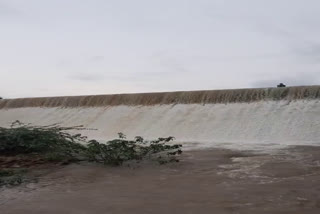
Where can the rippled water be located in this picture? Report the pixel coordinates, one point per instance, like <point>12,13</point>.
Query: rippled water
<point>205,181</point>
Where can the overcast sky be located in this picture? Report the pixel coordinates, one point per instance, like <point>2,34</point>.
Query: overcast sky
<point>74,47</point>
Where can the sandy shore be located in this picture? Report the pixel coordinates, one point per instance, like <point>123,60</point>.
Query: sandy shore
<point>205,181</point>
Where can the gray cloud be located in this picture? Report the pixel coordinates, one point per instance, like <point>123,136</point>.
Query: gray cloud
<point>5,9</point>
<point>170,64</point>
<point>97,58</point>
<point>8,11</point>
<point>310,52</point>
<point>298,43</point>
<point>82,47</point>
<point>86,77</point>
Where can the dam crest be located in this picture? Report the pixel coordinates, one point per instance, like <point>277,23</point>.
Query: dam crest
<point>282,116</point>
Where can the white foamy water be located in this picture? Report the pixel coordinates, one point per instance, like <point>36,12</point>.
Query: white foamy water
<point>243,125</point>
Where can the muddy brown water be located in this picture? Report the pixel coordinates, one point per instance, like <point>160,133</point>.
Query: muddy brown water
<point>205,181</point>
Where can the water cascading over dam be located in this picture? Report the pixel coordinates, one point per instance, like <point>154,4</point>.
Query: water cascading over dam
<point>268,115</point>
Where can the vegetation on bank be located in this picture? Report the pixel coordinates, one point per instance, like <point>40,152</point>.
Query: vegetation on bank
<point>57,144</point>
<point>11,177</point>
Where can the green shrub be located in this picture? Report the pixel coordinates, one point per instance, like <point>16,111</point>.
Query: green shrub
<point>5,172</point>
<point>26,139</point>
<point>55,143</point>
<point>117,151</point>
<point>11,177</point>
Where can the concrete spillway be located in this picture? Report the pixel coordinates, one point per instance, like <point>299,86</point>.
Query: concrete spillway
<point>274,115</point>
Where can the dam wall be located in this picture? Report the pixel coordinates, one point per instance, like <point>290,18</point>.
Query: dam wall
<point>205,118</point>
